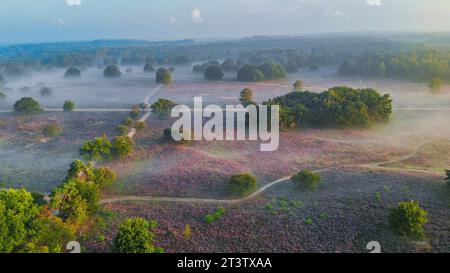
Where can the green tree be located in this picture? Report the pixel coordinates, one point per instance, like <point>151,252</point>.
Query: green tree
<point>122,146</point>
<point>27,106</point>
<point>76,200</point>
<point>248,73</point>
<point>72,72</point>
<point>68,106</point>
<point>408,219</point>
<point>241,184</point>
<point>98,149</point>
<point>163,76</point>
<point>17,211</point>
<point>135,236</point>
<point>298,85</point>
<point>140,125</point>
<point>213,73</point>
<point>307,180</point>
<point>52,130</point>
<point>122,130</point>
<point>135,112</point>
<point>49,234</point>
<point>112,71</point>
<point>104,177</point>
<point>162,107</point>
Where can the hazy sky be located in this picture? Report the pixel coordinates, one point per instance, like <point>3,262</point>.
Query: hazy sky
<point>61,20</point>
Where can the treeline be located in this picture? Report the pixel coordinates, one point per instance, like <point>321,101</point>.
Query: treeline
<point>336,107</point>
<point>417,64</point>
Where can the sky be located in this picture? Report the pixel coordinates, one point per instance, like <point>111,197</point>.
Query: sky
<point>69,20</point>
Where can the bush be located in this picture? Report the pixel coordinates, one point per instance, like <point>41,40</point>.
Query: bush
<point>408,219</point>
<point>72,72</point>
<point>436,84</point>
<point>134,236</point>
<point>27,106</point>
<point>209,218</point>
<point>112,71</point>
<point>52,131</point>
<point>307,180</point>
<point>241,184</point>
<point>46,91</point>
<point>213,73</point>
<point>135,112</point>
<point>128,122</point>
<point>68,106</point>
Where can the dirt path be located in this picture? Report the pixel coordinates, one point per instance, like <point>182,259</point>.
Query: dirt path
<point>132,131</point>
<point>375,165</point>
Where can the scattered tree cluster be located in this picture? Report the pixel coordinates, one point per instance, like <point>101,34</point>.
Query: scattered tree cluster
<point>336,107</point>
<point>103,149</point>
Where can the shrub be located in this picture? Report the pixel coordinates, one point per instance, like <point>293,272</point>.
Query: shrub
<point>436,84</point>
<point>27,106</point>
<point>241,184</point>
<point>209,218</point>
<point>52,131</point>
<point>408,219</point>
<point>134,236</point>
<point>148,68</point>
<point>68,106</point>
<point>112,71</point>
<point>307,180</point>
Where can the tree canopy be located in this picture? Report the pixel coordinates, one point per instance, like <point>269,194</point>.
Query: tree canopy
<point>241,184</point>
<point>27,106</point>
<point>213,73</point>
<point>135,235</point>
<point>112,71</point>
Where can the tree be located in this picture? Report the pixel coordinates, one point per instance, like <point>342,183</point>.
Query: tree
<point>112,71</point>
<point>241,184</point>
<point>140,125</point>
<point>122,130</point>
<point>298,85</point>
<point>2,79</point>
<point>134,236</point>
<point>68,106</point>
<point>49,234</point>
<point>135,112</point>
<point>408,219</point>
<point>46,91</point>
<point>163,76</point>
<point>307,180</point>
<point>246,96</point>
<point>98,149</point>
<point>122,146</point>
<point>2,96</point>
<point>249,73</point>
<point>213,73</point>
<point>72,72</point>
<point>162,107</point>
<point>447,179</point>
<point>104,177</point>
<point>17,211</point>
<point>27,106</point>
<point>76,200</point>
<point>52,130</point>
<point>272,71</point>
<point>229,65</point>
<point>436,84</point>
